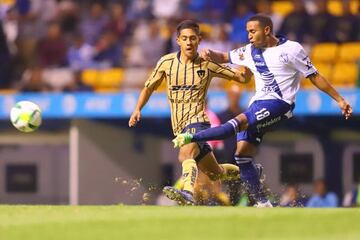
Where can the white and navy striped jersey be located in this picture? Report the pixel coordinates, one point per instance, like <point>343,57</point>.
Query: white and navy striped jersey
<point>277,69</point>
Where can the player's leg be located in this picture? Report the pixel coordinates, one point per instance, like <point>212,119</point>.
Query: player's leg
<point>216,171</point>
<point>249,173</point>
<point>208,192</point>
<point>226,130</point>
<point>184,196</point>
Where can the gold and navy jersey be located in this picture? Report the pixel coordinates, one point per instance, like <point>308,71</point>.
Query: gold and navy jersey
<point>187,86</point>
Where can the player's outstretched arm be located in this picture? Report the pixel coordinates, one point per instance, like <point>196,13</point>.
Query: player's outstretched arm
<point>143,98</point>
<point>321,83</point>
<point>215,56</point>
<point>243,76</point>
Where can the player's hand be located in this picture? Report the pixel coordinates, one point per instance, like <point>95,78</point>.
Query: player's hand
<point>135,118</point>
<point>205,54</point>
<point>346,108</point>
<point>182,139</point>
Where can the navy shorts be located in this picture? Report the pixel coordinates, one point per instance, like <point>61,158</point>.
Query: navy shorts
<point>204,147</point>
<point>262,116</point>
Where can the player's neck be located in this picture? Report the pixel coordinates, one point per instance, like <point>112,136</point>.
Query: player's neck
<point>185,59</point>
<point>272,41</point>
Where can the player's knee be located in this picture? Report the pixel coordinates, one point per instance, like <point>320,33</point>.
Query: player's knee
<point>244,148</point>
<point>189,151</point>
<point>243,122</point>
<point>213,176</point>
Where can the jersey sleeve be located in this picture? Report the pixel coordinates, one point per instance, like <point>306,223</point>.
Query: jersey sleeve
<point>237,56</point>
<point>221,71</point>
<point>302,62</point>
<point>156,76</point>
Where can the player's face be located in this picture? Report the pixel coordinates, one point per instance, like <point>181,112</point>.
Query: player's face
<point>188,41</point>
<point>256,34</point>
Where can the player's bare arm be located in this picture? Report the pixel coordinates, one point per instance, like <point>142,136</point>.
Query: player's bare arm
<point>143,98</point>
<point>215,56</point>
<point>243,76</point>
<point>321,83</point>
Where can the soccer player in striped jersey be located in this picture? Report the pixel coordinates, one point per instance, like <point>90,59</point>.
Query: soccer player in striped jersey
<point>187,77</point>
<point>277,64</point>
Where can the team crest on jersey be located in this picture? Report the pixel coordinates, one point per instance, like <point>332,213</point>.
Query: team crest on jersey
<point>284,58</point>
<point>201,73</point>
<point>241,56</point>
<point>241,53</point>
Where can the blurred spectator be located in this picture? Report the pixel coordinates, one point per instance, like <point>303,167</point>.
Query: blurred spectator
<point>138,10</point>
<point>196,9</point>
<point>34,16</point>
<point>217,39</point>
<point>118,21</point>
<point>165,9</point>
<point>239,35</point>
<point>11,29</point>
<point>322,23</point>
<point>219,11</point>
<point>5,58</point>
<point>37,79</point>
<point>80,54</point>
<point>140,54</point>
<point>68,16</point>
<point>264,6</point>
<point>292,197</point>
<point>346,26</point>
<point>108,50</point>
<point>51,49</point>
<point>296,24</point>
<point>352,198</point>
<point>32,81</point>
<point>93,25</point>
<point>321,197</point>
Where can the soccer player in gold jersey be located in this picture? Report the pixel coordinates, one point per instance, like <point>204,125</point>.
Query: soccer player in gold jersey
<point>187,78</point>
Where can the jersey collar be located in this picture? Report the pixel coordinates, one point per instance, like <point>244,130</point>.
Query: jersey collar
<point>282,39</point>
<point>194,60</point>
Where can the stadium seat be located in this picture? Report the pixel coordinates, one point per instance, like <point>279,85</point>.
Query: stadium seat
<point>6,91</point>
<point>89,76</point>
<point>335,7</point>
<point>206,28</point>
<point>344,75</point>
<point>103,79</point>
<point>110,78</point>
<point>325,69</point>
<point>282,7</point>
<point>349,52</point>
<point>324,52</point>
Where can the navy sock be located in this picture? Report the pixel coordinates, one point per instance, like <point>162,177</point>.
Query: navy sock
<point>223,131</point>
<point>250,177</point>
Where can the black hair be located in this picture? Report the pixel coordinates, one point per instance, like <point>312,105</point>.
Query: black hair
<point>188,24</point>
<point>264,20</point>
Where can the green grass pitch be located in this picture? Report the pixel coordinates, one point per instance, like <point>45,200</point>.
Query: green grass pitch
<point>172,223</point>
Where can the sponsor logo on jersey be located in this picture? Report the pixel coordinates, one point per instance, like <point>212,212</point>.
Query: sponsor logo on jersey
<point>268,123</point>
<point>200,73</point>
<point>260,64</point>
<point>184,87</point>
<point>241,56</point>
